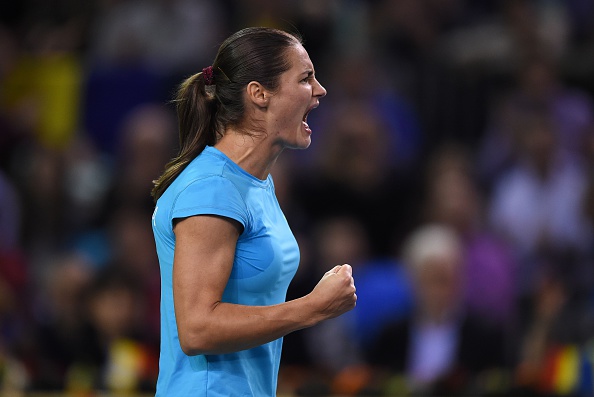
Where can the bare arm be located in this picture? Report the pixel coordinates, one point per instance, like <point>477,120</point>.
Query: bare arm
<point>204,252</point>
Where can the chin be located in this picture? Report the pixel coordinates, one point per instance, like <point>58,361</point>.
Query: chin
<point>305,144</point>
<point>299,144</point>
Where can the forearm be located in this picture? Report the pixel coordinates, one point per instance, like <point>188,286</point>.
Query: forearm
<point>227,327</point>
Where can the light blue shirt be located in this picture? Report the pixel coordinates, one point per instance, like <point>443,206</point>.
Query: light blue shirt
<point>266,259</point>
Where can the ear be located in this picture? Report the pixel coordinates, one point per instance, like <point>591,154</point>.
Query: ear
<point>257,94</point>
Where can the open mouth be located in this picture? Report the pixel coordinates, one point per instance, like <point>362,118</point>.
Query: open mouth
<point>305,117</point>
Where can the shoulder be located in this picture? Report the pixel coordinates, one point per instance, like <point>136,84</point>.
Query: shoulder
<point>204,188</point>
<point>206,164</point>
<point>208,172</point>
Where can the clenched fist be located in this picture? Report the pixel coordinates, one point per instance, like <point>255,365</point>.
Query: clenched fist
<point>335,293</point>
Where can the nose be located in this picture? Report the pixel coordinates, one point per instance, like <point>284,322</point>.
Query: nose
<point>319,90</point>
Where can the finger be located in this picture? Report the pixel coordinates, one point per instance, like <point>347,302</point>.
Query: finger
<point>345,268</point>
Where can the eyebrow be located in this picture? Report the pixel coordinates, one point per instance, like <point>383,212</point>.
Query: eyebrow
<point>308,72</point>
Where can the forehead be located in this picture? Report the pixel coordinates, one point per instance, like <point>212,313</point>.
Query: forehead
<point>299,58</point>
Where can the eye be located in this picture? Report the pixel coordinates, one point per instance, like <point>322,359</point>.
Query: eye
<point>308,78</point>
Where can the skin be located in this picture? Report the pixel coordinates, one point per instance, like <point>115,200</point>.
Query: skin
<point>205,245</point>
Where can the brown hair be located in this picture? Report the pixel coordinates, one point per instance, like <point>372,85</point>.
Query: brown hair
<point>252,54</point>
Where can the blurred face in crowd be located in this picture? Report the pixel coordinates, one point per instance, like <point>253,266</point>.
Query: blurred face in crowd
<point>356,148</point>
<point>147,145</point>
<point>342,240</point>
<point>454,200</point>
<point>66,284</point>
<point>114,312</point>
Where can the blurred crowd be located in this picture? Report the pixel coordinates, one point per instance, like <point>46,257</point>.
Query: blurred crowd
<point>452,166</point>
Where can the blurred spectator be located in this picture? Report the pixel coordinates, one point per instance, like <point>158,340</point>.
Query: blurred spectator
<point>127,361</point>
<point>536,205</point>
<point>87,179</point>
<point>440,348</point>
<point>40,176</point>
<point>61,342</point>
<point>454,199</point>
<point>133,251</point>
<point>553,357</point>
<point>539,90</point>
<point>352,89</point>
<point>147,139</point>
<point>41,87</point>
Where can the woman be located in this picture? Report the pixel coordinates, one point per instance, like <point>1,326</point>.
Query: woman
<point>225,249</point>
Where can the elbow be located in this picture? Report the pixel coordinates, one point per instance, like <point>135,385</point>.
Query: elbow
<point>198,334</point>
<point>192,345</point>
<point>196,341</point>
<point>188,347</point>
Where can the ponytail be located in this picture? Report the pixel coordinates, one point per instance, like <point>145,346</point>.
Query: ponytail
<point>198,127</point>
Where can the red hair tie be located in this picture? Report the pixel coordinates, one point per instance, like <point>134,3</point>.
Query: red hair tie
<point>207,75</point>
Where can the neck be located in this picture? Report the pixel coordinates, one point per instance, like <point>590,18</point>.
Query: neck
<point>254,154</point>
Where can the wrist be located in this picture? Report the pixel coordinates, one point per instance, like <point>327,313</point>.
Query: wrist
<point>311,313</point>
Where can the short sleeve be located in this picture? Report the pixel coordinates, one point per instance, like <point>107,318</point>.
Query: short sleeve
<point>213,195</point>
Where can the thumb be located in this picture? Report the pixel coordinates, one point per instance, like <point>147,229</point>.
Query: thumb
<point>346,268</point>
